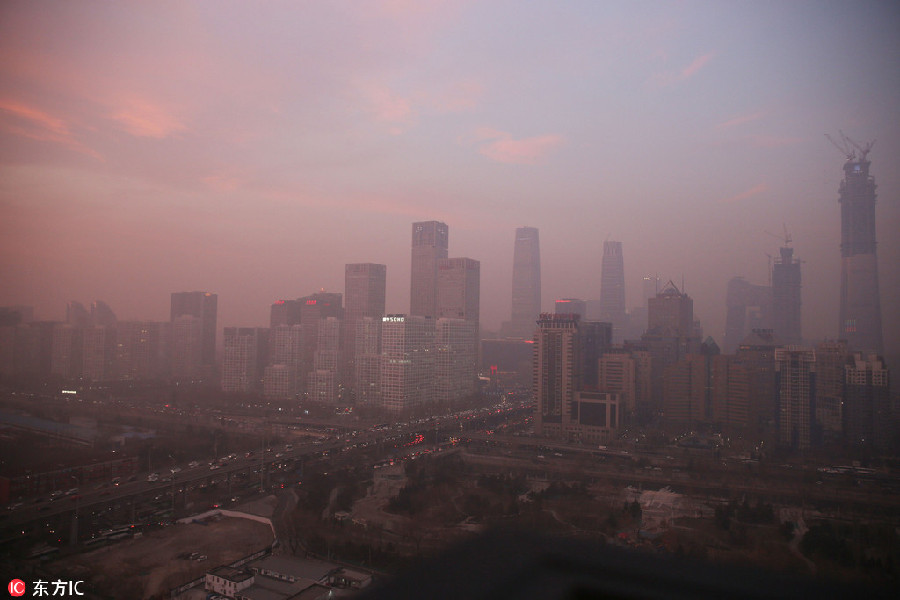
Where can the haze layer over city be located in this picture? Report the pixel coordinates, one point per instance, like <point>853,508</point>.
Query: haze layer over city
<point>253,150</point>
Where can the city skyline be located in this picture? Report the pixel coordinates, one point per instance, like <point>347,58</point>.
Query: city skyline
<point>667,127</point>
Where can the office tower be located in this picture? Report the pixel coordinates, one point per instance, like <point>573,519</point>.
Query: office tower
<point>455,359</point>
<point>671,312</point>
<point>77,315</point>
<point>860,309</point>
<point>831,359</point>
<point>564,408</point>
<point>325,376</point>
<point>26,348</point>
<point>314,308</point>
<point>756,353</point>
<point>98,353</point>
<point>15,315</point>
<point>429,244</point>
<point>526,283</point>
<point>187,348</point>
<point>786,297</point>
<point>364,295</point>
<point>66,351</point>
<point>594,339</point>
<point>244,358</point>
<point>795,387</point>
<point>617,374</point>
<point>407,368</point>
<point>201,306</point>
<point>102,314</point>
<point>142,350</point>
<point>748,307</point>
<point>281,376</point>
<point>285,312</point>
<point>367,361</point>
<point>706,387</point>
<point>556,376</point>
<point>868,419</point>
<point>571,306</point>
<point>612,287</point>
<point>670,336</point>
<point>458,288</point>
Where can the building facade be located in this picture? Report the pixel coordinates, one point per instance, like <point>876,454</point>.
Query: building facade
<point>407,362</point>
<point>430,241</point>
<point>526,283</point>
<point>860,304</point>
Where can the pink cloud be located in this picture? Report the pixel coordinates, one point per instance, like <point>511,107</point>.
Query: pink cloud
<point>143,118</point>
<point>698,63</point>
<point>30,122</point>
<point>757,189</point>
<point>501,147</point>
<point>667,78</point>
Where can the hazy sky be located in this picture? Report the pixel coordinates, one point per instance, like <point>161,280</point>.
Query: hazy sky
<point>252,149</point>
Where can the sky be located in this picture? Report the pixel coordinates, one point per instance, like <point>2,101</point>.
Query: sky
<point>252,149</point>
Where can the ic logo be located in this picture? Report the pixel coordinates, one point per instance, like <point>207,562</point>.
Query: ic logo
<point>16,587</point>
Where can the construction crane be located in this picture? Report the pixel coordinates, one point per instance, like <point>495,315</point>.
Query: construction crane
<point>849,148</point>
<point>786,237</point>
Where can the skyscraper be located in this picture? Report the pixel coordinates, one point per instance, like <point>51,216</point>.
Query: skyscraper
<point>364,297</point>
<point>407,372</point>
<point>429,244</point>
<point>244,358</point>
<point>612,286</point>
<point>565,408</point>
<point>748,307</point>
<point>795,385</point>
<point>786,297</point>
<point>526,284</point>
<point>201,306</point>
<point>860,312</point>
<point>458,289</point>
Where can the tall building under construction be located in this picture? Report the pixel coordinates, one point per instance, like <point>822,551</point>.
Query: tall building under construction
<point>860,312</point>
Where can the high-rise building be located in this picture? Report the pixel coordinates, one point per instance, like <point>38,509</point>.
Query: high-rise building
<point>748,307</point>
<point>612,287</point>
<point>285,312</point>
<point>314,309</point>
<point>556,372</point>
<point>458,289</point>
<point>66,351</point>
<point>367,361</point>
<point>407,367</point>
<point>756,353</point>
<point>831,360</point>
<point>429,244</point>
<point>98,353</point>
<point>142,349</point>
<point>860,311</point>
<point>281,376</point>
<point>671,312</point>
<point>455,359</point>
<point>202,306</point>
<point>795,385</point>
<point>571,306</point>
<point>364,296</point>
<point>244,358</point>
<point>526,283</point>
<point>786,297</point>
<point>325,376</point>
<point>868,420</point>
<point>564,408</point>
